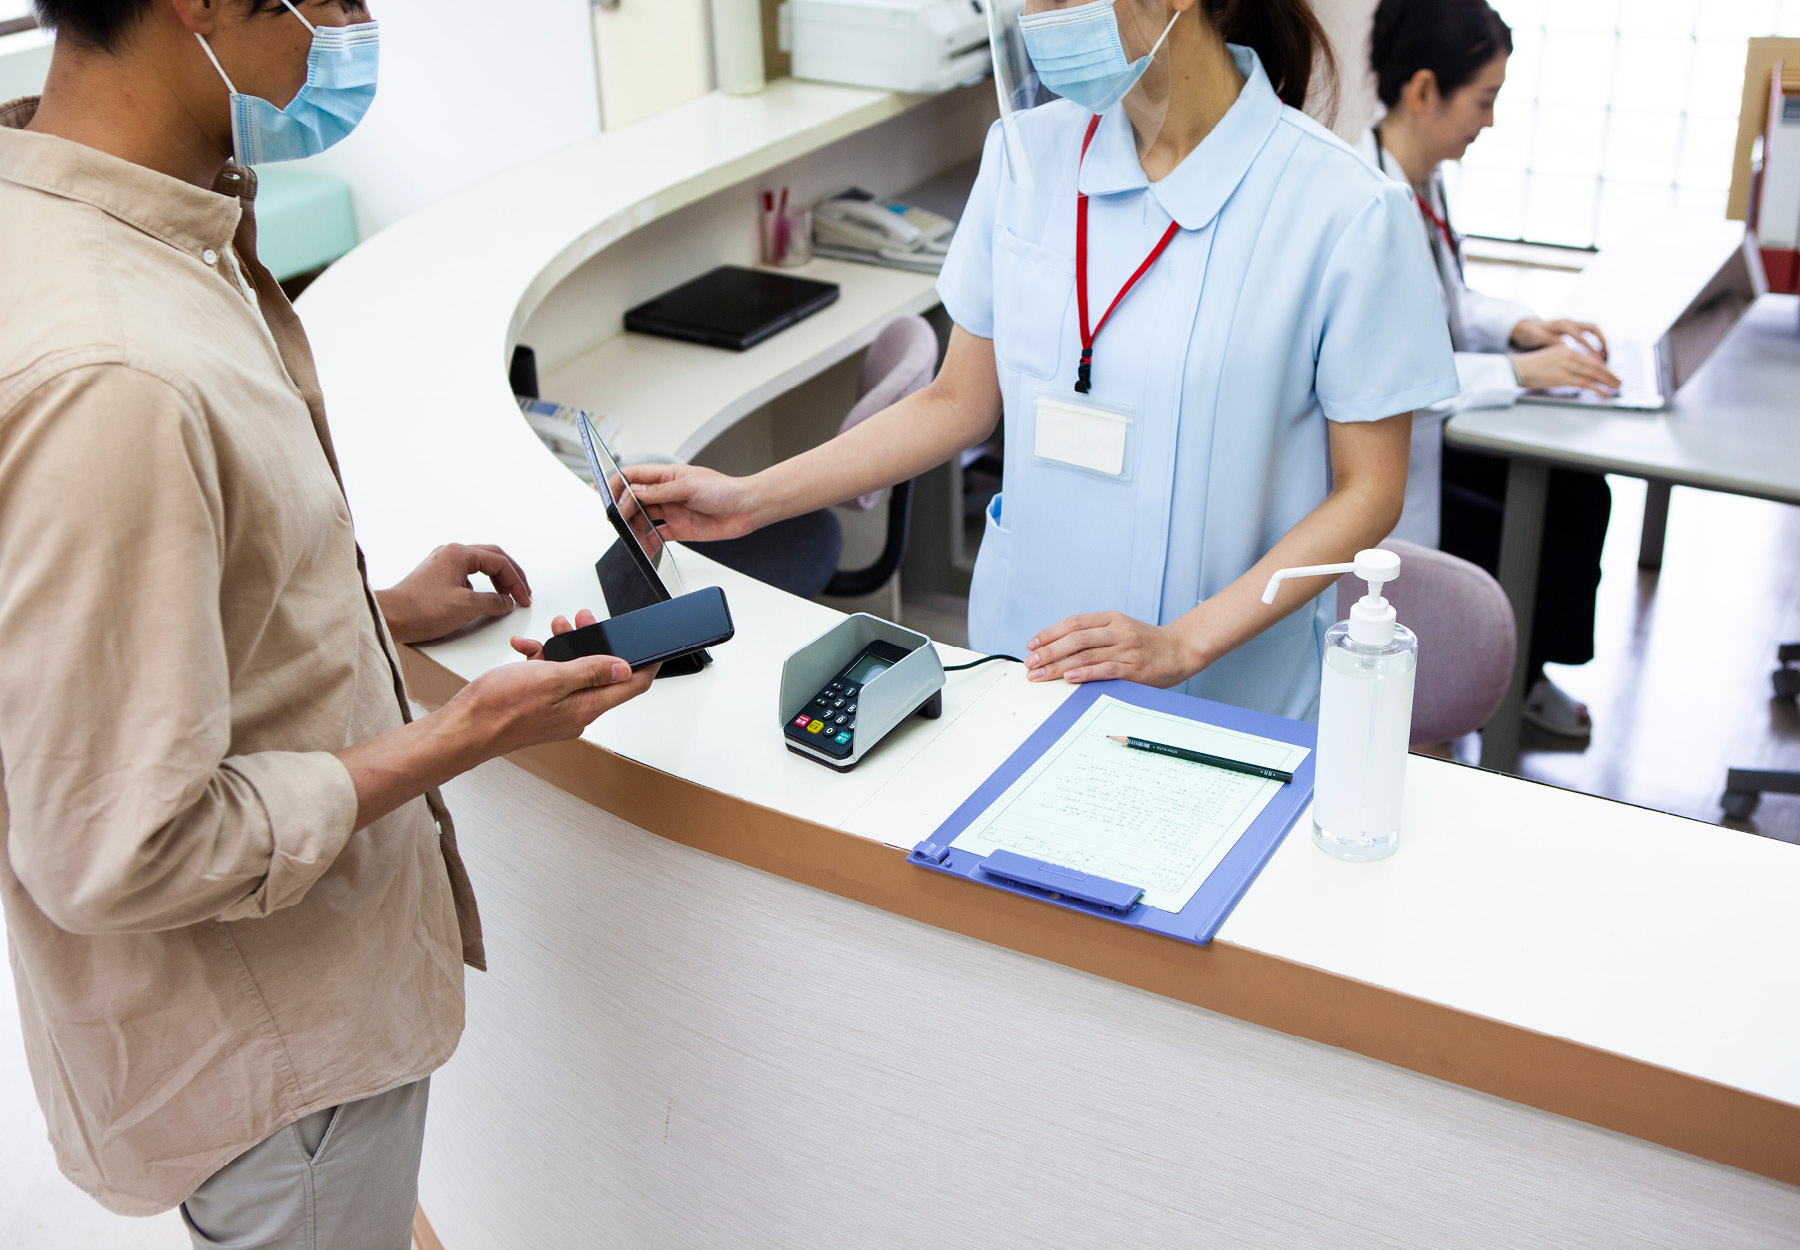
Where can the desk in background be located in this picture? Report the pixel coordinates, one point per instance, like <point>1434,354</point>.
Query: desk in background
<point>1734,427</point>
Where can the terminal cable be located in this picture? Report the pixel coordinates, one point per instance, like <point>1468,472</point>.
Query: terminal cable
<point>986,659</point>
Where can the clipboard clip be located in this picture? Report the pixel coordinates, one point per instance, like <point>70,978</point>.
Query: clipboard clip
<point>1057,881</point>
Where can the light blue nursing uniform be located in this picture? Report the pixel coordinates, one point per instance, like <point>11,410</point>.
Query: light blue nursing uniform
<point>1298,291</point>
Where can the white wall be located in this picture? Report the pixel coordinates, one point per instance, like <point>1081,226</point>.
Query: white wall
<point>1347,24</point>
<point>468,88</point>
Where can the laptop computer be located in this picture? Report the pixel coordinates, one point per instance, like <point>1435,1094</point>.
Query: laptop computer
<point>731,307</point>
<point>1650,372</point>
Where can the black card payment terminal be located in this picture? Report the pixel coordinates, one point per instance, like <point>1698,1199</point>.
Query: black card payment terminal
<point>828,722</point>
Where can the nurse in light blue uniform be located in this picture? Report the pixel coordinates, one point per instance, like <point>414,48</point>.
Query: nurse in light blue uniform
<point>1295,291</point>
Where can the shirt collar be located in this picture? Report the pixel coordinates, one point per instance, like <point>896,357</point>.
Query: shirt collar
<point>1198,188</point>
<point>180,214</point>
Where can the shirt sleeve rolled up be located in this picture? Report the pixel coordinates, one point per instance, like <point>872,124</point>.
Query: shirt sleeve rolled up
<point>127,808</point>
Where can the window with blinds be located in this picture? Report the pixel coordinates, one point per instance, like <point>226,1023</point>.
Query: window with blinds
<point>1610,106</point>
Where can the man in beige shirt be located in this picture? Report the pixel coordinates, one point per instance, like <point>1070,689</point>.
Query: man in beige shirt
<point>236,913</point>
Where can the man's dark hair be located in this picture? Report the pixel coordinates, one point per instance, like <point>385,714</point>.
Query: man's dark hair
<point>104,24</point>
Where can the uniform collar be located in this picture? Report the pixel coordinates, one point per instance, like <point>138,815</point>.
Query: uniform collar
<point>178,213</point>
<point>1199,187</point>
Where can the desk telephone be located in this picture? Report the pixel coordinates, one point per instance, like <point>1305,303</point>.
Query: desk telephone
<point>856,219</point>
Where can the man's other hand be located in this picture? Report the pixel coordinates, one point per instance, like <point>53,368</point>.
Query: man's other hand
<point>436,598</point>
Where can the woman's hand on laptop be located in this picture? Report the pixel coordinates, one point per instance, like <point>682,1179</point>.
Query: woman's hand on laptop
<point>1563,366</point>
<point>1535,332</point>
<point>693,504</point>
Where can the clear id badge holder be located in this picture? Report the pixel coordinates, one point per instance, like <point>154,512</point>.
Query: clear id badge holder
<point>1084,432</point>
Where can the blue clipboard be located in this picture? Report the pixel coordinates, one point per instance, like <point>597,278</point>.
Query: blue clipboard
<point>1064,887</point>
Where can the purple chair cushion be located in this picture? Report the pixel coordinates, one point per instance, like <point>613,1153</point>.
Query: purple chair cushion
<point>1467,638</point>
<point>901,360</point>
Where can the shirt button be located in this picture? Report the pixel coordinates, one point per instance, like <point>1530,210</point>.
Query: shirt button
<point>209,256</point>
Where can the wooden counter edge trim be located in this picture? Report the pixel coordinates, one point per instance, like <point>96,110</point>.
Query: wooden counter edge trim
<point>1612,1091</point>
<point>424,1237</point>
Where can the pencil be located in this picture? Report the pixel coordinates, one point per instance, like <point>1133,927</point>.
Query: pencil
<point>1200,757</point>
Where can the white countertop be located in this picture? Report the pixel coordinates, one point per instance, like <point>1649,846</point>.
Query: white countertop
<point>1654,937</point>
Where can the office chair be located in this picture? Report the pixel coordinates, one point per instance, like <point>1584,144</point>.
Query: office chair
<point>1744,787</point>
<point>1467,637</point>
<point>800,555</point>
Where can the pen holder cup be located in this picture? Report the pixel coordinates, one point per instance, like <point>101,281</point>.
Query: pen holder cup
<point>914,684</point>
<point>787,236</point>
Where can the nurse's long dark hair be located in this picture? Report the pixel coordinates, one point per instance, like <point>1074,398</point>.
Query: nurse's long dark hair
<point>1287,39</point>
<point>1454,39</point>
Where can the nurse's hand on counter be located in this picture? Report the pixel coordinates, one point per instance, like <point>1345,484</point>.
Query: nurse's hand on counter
<point>436,598</point>
<point>694,504</point>
<point>1563,365</point>
<point>1101,646</point>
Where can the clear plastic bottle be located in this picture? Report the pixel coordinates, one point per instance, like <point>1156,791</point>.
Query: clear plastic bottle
<point>1365,716</point>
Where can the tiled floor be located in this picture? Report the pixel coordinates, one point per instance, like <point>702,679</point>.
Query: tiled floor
<point>1679,687</point>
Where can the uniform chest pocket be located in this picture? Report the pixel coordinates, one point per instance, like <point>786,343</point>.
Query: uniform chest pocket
<point>1032,290</point>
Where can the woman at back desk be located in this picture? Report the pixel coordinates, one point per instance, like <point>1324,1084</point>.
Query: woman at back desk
<point>1439,67</point>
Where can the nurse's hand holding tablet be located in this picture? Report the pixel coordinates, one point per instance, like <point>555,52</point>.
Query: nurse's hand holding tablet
<point>1205,322</point>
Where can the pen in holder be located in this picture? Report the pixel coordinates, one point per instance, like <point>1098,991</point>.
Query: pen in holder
<point>786,232</point>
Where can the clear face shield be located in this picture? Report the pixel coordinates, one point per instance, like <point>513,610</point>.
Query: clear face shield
<point>1094,53</point>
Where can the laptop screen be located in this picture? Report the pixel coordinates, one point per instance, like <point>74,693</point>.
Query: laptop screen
<point>1706,321</point>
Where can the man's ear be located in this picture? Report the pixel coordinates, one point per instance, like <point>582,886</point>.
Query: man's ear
<point>200,17</point>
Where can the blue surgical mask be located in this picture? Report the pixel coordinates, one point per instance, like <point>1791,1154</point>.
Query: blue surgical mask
<point>1078,54</point>
<point>340,86</point>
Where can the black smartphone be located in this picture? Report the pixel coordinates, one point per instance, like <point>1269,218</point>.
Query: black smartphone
<point>651,635</point>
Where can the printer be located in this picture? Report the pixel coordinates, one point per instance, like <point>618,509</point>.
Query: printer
<point>895,45</point>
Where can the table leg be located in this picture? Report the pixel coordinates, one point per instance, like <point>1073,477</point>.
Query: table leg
<point>1656,525</point>
<point>1521,545</point>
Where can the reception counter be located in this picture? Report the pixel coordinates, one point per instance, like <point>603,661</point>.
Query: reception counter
<point>721,1007</point>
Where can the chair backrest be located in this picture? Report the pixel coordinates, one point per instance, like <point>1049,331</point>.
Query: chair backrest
<point>901,360</point>
<point>1467,637</point>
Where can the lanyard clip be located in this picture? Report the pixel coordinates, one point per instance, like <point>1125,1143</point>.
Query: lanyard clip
<point>1084,371</point>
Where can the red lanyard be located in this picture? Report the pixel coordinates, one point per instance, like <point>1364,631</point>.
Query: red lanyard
<point>1441,223</point>
<point>1084,373</point>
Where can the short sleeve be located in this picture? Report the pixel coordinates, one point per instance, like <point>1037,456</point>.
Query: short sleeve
<point>1383,344</point>
<point>966,283</point>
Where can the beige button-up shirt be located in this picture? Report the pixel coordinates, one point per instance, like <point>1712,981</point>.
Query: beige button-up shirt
<point>205,946</point>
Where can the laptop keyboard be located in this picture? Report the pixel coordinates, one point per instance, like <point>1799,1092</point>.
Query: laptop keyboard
<point>1635,366</point>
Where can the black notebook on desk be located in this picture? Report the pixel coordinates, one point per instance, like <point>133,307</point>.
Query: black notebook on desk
<point>731,307</point>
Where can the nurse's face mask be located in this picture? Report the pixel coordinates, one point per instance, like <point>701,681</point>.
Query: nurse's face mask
<point>1093,53</point>
<point>340,85</point>
<point>1079,50</point>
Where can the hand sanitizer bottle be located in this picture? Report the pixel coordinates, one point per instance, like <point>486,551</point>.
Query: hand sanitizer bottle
<point>1365,715</point>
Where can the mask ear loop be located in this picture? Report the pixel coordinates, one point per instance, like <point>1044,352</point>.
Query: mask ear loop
<point>231,104</point>
<point>1163,38</point>
<point>311,29</point>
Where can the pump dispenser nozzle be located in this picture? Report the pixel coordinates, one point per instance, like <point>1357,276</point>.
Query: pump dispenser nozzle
<point>1372,618</point>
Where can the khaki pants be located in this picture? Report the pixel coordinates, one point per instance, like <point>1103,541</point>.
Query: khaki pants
<point>346,1178</point>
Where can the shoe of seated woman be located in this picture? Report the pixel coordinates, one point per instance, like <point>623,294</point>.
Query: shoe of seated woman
<point>1549,707</point>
